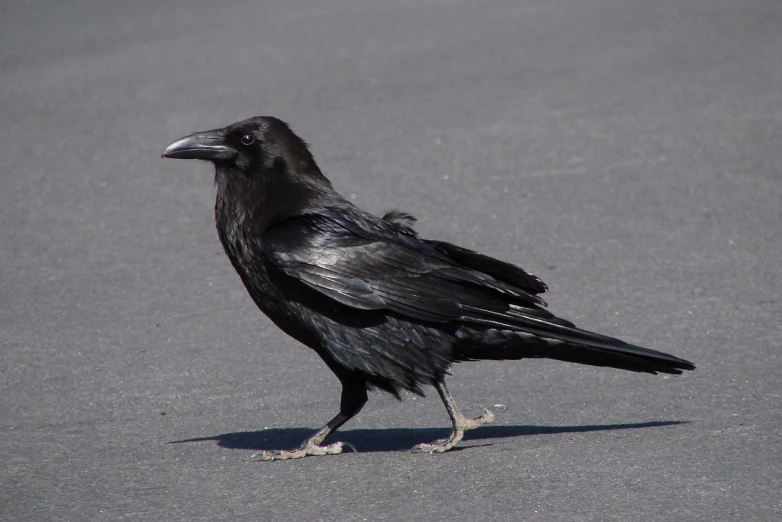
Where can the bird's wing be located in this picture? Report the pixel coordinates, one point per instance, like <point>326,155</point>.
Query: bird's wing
<point>372,268</point>
<point>511,274</point>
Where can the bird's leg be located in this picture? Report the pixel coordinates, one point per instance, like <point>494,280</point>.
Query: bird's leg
<point>460,423</point>
<point>354,396</point>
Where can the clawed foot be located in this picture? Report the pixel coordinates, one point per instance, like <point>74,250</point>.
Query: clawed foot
<point>461,424</point>
<point>436,446</point>
<point>305,450</point>
<point>486,418</point>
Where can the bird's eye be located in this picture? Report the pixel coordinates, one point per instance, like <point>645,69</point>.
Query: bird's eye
<point>248,139</point>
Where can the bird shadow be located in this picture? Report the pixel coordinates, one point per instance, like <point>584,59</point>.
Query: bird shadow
<point>399,439</point>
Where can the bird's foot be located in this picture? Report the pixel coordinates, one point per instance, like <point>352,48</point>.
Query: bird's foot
<point>461,424</point>
<point>486,418</point>
<point>309,448</point>
<point>437,446</point>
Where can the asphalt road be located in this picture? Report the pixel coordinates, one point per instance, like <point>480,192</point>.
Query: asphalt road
<point>629,152</point>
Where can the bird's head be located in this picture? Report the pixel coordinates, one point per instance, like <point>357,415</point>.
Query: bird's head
<point>261,167</point>
<point>253,146</point>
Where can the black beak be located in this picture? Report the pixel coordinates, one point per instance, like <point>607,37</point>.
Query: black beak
<point>200,145</point>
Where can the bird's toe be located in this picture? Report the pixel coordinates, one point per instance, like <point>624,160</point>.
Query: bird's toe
<point>310,449</point>
<point>437,446</point>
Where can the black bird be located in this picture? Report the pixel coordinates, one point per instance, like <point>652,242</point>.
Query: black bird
<point>382,307</point>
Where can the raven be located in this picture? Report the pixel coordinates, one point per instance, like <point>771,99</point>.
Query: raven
<point>381,306</point>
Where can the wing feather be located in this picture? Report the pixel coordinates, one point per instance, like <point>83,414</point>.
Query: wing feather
<point>402,274</point>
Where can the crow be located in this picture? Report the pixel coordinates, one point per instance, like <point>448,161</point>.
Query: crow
<point>384,308</point>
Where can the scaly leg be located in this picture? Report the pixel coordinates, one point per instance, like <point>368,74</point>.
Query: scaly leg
<point>460,423</point>
<point>354,396</point>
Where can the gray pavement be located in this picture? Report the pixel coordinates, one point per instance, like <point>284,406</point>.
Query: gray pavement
<point>629,152</point>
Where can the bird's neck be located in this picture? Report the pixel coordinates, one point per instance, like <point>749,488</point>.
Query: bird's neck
<point>246,208</point>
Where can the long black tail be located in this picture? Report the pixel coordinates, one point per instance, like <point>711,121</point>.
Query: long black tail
<point>561,340</point>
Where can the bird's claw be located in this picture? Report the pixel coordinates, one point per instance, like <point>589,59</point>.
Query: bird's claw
<point>487,417</point>
<point>305,450</point>
<point>437,446</point>
<point>461,424</point>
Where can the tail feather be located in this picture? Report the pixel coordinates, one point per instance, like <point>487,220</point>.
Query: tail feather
<point>580,346</point>
<point>519,334</point>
